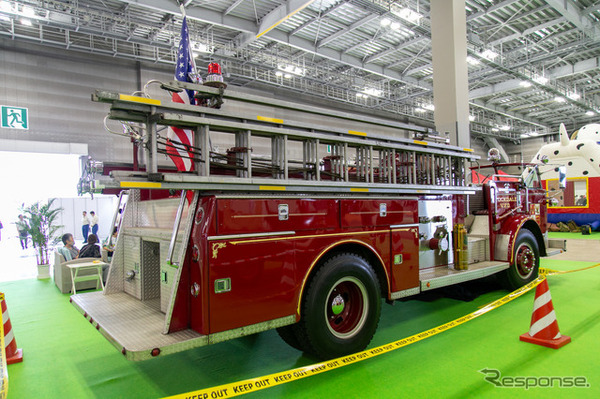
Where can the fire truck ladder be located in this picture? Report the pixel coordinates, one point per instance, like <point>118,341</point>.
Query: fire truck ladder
<point>305,157</point>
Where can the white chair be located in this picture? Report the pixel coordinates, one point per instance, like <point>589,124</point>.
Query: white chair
<point>62,274</point>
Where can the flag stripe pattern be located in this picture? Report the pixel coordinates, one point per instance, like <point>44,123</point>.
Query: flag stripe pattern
<point>179,155</point>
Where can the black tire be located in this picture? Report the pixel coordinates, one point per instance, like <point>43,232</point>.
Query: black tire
<point>340,309</point>
<point>288,334</point>
<point>526,262</point>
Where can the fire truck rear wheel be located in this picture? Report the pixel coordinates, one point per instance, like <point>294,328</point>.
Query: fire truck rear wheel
<point>341,308</point>
<point>526,262</point>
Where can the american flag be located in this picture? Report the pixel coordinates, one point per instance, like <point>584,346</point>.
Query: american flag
<point>185,66</point>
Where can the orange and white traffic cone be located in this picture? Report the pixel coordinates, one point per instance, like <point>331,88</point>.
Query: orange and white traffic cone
<point>13,355</point>
<point>544,326</point>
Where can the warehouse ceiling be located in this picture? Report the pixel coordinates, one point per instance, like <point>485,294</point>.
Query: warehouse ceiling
<point>532,63</point>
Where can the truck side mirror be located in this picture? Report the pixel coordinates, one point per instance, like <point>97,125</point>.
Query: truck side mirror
<point>562,177</point>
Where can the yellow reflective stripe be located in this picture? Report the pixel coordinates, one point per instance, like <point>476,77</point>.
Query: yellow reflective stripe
<point>468,149</point>
<point>272,188</point>
<point>356,133</point>
<point>359,190</point>
<point>420,142</point>
<point>267,119</point>
<point>140,184</point>
<point>136,99</point>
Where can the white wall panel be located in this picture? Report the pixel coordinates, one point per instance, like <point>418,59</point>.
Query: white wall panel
<point>56,85</point>
<point>70,217</point>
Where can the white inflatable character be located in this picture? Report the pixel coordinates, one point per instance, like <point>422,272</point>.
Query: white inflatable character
<point>581,154</point>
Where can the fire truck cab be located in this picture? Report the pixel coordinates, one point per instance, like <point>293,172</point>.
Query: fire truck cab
<point>310,240</point>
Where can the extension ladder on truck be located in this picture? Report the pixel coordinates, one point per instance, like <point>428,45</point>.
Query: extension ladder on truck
<point>353,161</point>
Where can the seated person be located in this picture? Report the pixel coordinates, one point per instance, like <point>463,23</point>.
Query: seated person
<point>69,251</point>
<point>91,250</point>
<point>109,244</point>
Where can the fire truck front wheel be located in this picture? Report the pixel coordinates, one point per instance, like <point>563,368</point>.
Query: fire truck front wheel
<point>341,308</point>
<point>526,262</point>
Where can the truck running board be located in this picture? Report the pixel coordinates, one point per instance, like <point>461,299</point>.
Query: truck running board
<point>442,276</point>
<point>556,246</point>
<point>133,326</point>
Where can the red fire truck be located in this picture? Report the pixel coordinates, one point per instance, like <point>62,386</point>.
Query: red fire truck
<point>306,224</point>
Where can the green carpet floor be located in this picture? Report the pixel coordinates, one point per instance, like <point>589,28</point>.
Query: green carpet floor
<point>65,357</point>
<point>574,236</point>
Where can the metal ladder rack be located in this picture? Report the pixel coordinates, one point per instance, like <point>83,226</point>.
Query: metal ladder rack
<point>362,162</point>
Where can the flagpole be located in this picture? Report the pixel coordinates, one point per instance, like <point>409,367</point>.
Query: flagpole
<point>184,15</point>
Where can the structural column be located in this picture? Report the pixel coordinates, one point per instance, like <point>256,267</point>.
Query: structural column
<point>450,74</point>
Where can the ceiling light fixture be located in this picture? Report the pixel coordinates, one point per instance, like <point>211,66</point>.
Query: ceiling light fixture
<point>472,61</point>
<point>471,118</point>
<point>291,69</point>
<point>385,22</point>
<point>505,128</point>
<point>559,99</point>
<point>26,21</point>
<point>489,54</point>
<point>525,83</point>
<point>5,6</point>
<point>574,95</point>
<point>200,48</point>
<point>28,11</point>
<point>541,79</point>
<point>406,13</point>
<point>371,91</point>
<point>590,113</point>
<point>429,107</point>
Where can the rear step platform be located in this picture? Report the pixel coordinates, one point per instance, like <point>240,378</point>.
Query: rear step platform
<point>134,327</point>
<point>556,246</point>
<point>437,277</point>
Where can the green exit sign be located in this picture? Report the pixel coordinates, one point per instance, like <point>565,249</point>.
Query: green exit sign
<point>15,117</point>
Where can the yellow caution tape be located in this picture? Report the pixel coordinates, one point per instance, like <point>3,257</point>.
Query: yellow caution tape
<point>550,272</point>
<point>547,272</point>
<point>3,365</point>
<point>256,384</point>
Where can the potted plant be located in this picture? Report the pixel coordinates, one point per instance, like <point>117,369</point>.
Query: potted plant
<point>42,229</point>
